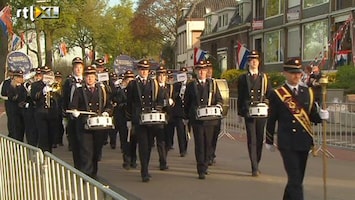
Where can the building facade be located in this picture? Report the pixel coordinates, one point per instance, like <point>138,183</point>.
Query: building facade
<point>320,32</point>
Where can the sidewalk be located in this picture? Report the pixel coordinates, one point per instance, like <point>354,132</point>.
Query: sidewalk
<point>229,179</point>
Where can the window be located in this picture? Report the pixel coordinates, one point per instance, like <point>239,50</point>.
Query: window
<point>315,39</point>
<point>293,42</point>
<point>311,3</point>
<point>208,25</point>
<point>273,51</point>
<point>274,7</point>
<point>222,20</point>
<point>293,3</point>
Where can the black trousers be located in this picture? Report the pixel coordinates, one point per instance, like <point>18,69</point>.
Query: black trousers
<point>145,135</point>
<point>10,108</point>
<point>30,127</point>
<point>216,131</point>
<point>74,139</point>
<point>203,145</point>
<point>180,132</point>
<point>46,122</point>
<point>19,126</point>
<point>255,136</point>
<point>90,151</point>
<point>295,165</point>
<point>159,134</point>
<point>129,148</point>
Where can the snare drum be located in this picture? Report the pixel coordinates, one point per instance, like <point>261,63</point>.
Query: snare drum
<point>208,113</point>
<point>99,123</point>
<point>153,118</point>
<point>258,110</point>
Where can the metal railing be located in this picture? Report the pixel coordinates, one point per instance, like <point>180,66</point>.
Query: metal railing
<point>28,173</point>
<point>340,126</point>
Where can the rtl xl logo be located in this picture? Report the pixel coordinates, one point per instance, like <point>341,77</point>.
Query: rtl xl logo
<point>41,12</point>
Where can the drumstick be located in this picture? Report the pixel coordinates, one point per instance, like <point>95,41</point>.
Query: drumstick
<point>81,112</point>
<point>129,135</point>
<point>187,132</point>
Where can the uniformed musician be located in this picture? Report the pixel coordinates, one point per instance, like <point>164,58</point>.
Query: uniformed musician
<point>201,92</point>
<point>17,98</point>
<point>253,87</point>
<point>46,110</point>
<point>9,106</point>
<point>128,139</point>
<point>292,107</point>
<point>142,97</point>
<point>58,97</point>
<point>72,82</point>
<point>91,97</point>
<point>177,115</point>
<point>165,92</point>
<point>217,128</point>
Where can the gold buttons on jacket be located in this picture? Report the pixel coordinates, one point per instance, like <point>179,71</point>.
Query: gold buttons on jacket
<point>293,121</point>
<point>294,130</point>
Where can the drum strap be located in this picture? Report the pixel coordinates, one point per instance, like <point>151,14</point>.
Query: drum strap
<point>102,94</point>
<point>295,108</point>
<point>210,88</point>
<point>86,100</point>
<point>197,93</point>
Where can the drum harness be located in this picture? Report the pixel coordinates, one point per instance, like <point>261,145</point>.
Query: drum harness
<point>154,84</point>
<point>212,89</point>
<point>263,86</point>
<point>102,94</point>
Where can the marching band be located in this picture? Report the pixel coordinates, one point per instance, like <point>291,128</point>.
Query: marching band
<point>144,108</point>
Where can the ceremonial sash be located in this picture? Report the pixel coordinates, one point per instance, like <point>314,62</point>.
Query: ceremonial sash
<point>295,108</point>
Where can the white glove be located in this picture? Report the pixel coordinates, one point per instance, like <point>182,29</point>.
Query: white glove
<point>129,124</point>
<point>46,89</point>
<point>65,122</point>
<point>105,114</point>
<point>75,113</point>
<point>185,121</point>
<point>170,101</point>
<point>27,105</point>
<point>323,114</point>
<point>270,147</point>
<point>220,107</point>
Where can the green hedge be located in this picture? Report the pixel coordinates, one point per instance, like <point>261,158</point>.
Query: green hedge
<point>343,78</point>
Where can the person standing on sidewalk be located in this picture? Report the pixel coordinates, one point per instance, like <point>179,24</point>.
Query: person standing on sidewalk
<point>253,87</point>
<point>292,107</point>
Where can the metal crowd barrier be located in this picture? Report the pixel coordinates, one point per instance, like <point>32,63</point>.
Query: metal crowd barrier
<point>340,128</point>
<point>28,173</point>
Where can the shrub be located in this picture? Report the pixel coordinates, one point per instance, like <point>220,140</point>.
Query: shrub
<point>232,75</point>
<point>344,78</point>
<point>276,79</point>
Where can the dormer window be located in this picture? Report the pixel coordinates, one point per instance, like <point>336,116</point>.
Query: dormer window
<point>223,20</point>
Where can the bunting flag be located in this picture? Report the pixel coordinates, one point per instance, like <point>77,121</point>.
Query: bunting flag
<point>5,20</point>
<point>106,58</point>
<point>199,55</point>
<point>16,43</point>
<point>241,56</point>
<point>63,49</point>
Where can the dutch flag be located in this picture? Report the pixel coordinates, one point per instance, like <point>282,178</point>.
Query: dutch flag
<point>241,56</point>
<point>199,55</point>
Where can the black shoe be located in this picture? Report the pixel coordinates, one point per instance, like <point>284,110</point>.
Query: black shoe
<point>210,162</point>
<point>133,165</point>
<point>145,179</point>
<point>207,172</point>
<point>183,154</point>
<point>125,166</point>
<point>163,167</point>
<point>113,146</point>
<point>201,176</point>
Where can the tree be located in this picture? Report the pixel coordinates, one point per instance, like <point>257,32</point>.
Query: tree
<point>3,48</point>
